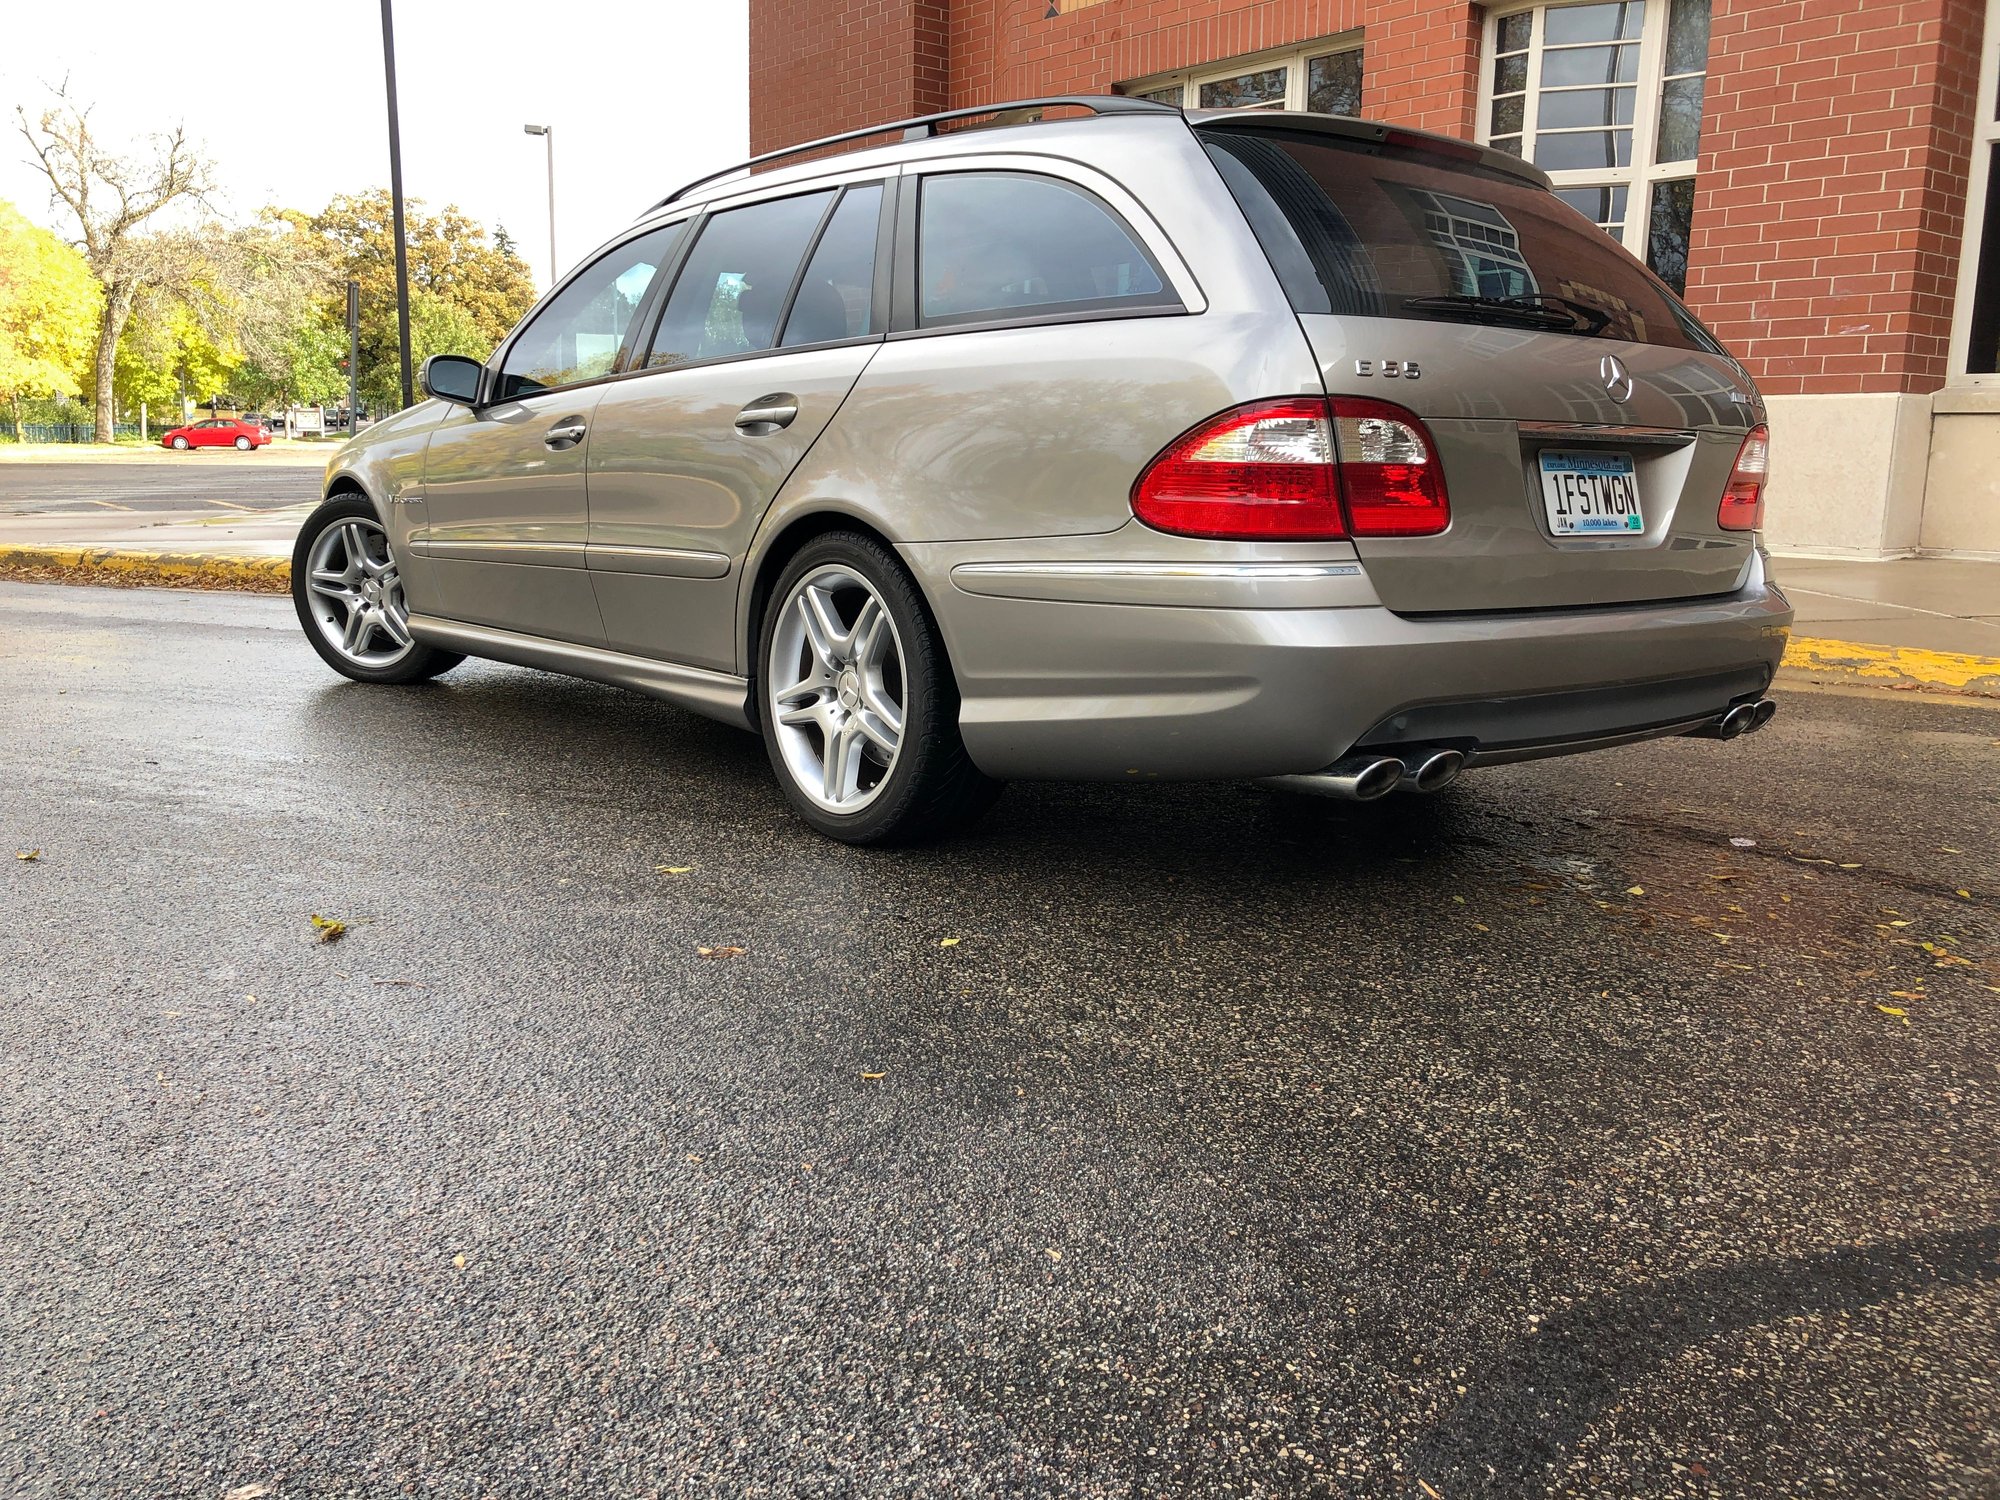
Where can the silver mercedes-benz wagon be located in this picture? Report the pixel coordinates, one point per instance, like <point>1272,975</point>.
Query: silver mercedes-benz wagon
<point>1099,440</point>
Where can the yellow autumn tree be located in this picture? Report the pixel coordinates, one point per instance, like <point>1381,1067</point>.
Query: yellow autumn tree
<point>50,305</point>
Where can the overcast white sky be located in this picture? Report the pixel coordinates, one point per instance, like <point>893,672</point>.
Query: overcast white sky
<point>288,100</point>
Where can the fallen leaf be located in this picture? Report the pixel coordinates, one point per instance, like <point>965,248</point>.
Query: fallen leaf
<point>1458,900</point>
<point>1850,867</point>
<point>723,952</point>
<point>30,855</point>
<point>874,1077</point>
<point>1966,894</point>
<point>1892,1010</point>
<point>1429,1491</point>
<point>672,869</point>
<point>948,942</point>
<point>247,1492</point>
<point>330,929</point>
<point>459,1260</point>
<point>1635,890</point>
<point>1052,1253</point>
<point>1907,994</point>
<point>1481,927</point>
<point>1744,843</point>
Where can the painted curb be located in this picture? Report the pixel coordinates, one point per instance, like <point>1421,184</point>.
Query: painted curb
<point>139,569</point>
<point>1895,666</point>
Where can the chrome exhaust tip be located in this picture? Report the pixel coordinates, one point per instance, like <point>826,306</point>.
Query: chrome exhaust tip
<point>1761,713</point>
<point>1434,771</point>
<point>1738,721</point>
<point>1359,778</point>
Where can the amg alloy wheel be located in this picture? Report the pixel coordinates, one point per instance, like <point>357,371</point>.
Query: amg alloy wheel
<point>857,702</point>
<point>349,597</point>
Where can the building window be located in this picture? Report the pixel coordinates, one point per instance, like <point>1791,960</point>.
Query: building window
<point>1975,345</point>
<point>1323,76</point>
<point>1606,98</point>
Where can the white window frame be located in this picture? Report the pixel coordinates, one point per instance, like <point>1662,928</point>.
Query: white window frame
<point>1644,173</point>
<point>1295,61</point>
<point>1985,135</point>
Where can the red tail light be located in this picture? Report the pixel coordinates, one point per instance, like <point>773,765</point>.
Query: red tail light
<point>1262,472</point>
<point>1389,470</point>
<point>1281,470</point>
<point>1743,502</point>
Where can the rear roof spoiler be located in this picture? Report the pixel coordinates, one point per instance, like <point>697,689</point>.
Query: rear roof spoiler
<point>1371,133</point>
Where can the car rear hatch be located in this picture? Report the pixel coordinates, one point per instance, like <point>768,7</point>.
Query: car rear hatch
<point>1586,423</point>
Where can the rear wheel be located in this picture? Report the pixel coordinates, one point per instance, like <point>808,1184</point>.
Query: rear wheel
<point>243,445</point>
<point>857,702</point>
<point>349,597</point>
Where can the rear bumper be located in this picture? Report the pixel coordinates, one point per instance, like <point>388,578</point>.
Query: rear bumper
<point>1056,688</point>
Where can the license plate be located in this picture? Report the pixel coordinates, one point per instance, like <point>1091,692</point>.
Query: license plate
<point>1590,494</point>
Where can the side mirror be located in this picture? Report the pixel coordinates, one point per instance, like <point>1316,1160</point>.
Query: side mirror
<point>452,377</point>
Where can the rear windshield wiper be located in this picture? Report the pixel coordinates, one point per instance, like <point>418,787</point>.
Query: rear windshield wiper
<point>1539,311</point>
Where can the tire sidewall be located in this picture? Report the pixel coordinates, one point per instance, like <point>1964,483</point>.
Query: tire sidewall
<point>181,445</point>
<point>243,445</point>
<point>422,661</point>
<point>923,661</point>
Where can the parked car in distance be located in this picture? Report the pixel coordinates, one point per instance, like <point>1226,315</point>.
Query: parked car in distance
<point>217,432</point>
<point>1143,445</point>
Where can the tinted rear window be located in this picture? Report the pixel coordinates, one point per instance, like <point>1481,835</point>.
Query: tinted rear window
<point>1362,229</point>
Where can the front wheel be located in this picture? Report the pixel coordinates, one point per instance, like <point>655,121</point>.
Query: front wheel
<point>180,445</point>
<point>857,702</point>
<point>349,595</point>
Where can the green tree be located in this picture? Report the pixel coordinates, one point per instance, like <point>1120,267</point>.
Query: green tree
<point>452,265</point>
<point>49,309</point>
<point>110,196</point>
<point>169,346</point>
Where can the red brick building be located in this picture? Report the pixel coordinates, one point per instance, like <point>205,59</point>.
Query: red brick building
<point>1814,174</point>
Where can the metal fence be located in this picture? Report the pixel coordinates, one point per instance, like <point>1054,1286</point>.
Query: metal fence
<point>62,432</point>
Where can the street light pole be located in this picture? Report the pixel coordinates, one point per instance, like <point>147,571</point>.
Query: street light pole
<point>396,205</point>
<point>548,135</point>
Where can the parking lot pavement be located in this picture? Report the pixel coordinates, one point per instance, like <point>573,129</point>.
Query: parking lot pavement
<point>143,481</point>
<point>1619,1127</point>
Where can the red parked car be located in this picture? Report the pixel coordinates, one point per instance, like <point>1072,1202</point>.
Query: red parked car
<point>217,432</point>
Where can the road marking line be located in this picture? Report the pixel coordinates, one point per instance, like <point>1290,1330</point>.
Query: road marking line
<point>111,505</point>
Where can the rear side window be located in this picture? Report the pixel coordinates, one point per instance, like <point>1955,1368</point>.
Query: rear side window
<point>1379,230</point>
<point>836,296</point>
<point>730,294</point>
<point>1011,246</point>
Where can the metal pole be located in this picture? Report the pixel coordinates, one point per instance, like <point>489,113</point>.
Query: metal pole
<point>555,266</point>
<point>353,357</point>
<point>396,205</point>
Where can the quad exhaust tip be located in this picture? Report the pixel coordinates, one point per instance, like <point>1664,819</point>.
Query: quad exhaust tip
<point>1369,778</point>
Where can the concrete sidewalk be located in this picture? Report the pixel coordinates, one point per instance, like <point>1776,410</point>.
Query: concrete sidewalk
<point>1917,622</point>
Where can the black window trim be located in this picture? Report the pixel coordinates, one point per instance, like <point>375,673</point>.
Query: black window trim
<point>906,321</point>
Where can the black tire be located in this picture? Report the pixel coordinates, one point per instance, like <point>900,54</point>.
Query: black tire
<point>419,664</point>
<point>933,790</point>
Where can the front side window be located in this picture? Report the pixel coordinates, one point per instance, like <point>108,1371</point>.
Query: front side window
<point>1323,76</point>
<point>1010,245</point>
<point>577,336</point>
<point>731,293</point>
<point>1607,99</point>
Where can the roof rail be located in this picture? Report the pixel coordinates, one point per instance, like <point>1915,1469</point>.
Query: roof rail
<point>920,126</point>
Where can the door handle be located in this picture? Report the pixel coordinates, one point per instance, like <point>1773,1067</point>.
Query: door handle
<point>768,414</point>
<point>566,434</point>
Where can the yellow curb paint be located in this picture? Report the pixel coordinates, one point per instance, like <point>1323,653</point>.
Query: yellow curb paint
<point>197,569</point>
<point>1896,665</point>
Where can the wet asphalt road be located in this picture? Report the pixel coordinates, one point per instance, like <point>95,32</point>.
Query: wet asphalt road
<point>219,477</point>
<point>1528,1140</point>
